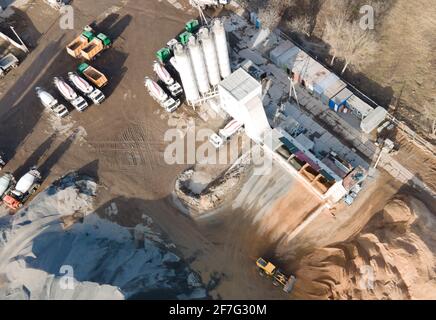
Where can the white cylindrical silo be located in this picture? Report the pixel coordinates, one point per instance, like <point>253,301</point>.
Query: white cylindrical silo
<point>186,72</point>
<point>199,65</point>
<point>221,48</point>
<point>210,56</point>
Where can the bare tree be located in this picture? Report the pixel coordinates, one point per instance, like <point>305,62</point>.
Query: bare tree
<point>429,115</point>
<point>359,45</point>
<point>271,14</point>
<point>300,25</point>
<point>334,34</point>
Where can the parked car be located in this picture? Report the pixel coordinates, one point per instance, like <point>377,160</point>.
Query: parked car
<point>7,63</point>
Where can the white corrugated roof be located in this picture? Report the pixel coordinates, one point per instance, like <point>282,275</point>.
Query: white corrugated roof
<point>240,84</point>
<point>373,120</point>
<point>359,105</point>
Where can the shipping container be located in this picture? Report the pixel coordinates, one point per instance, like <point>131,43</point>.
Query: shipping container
<point>373,120</point>
<point>319,87</point>
<point>358,107</point>
<point>287,58</point>
<point>340,99</point>
<point>300,63</point>
<point>279,50</point>
<point>332,90</point>
<point>316,74</point>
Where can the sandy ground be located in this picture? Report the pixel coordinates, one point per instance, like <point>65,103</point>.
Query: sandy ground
<point>121,143</point>
<point>392,258</point>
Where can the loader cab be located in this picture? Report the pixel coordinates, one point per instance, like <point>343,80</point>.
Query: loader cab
<point>266,267</point>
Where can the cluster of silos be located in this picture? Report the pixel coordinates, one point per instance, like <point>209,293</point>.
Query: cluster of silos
<point>204,61</point>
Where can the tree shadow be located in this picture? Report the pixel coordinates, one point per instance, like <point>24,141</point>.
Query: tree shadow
<point>24,26</point>
<point>112,26</point>
<point>35,157</point>
<point>112,62</point>
<point>55,156</point>
<point>20,108</point>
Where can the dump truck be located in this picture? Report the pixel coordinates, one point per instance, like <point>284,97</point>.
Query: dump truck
<point>83,86</point>
<point>70,95</point>
<point>74,48</point>
<point>163,55</point>
<point>100,43</point>
<point>24,188</point>
<point>7,63</point>
<point>173,86</point>
<point>7,183</point>
<point>159,95</point>
<point>184,37</point>
<point>279,278</point>
<point>93,75</point>
<point>51,103</point>
<point>192,26</point>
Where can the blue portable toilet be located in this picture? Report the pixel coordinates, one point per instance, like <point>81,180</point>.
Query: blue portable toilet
<point>340,99</point>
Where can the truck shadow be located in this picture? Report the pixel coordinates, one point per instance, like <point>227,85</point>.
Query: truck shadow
<point>24,26</point>
<point>112,62</point>
<point>35,157</point>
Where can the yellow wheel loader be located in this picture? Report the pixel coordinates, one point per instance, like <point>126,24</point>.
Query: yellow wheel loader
<point>278,277</point>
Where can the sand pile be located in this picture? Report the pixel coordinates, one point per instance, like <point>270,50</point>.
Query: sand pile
<point>102,259</point>
<point>392,258</point>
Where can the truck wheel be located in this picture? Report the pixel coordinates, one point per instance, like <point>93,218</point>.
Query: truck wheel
<point>262,273</point>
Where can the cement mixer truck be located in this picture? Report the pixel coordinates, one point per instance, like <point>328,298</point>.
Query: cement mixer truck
<point>70,95</point>
<point>83,86</point>
<point>206,3</point>
<point>159,95</point>
<point>24,188</point>
<point>173,86</point>
<point>7,183</point>
<point>51,103</point>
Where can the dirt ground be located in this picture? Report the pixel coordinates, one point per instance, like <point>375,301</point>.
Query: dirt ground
<point>121,143</point>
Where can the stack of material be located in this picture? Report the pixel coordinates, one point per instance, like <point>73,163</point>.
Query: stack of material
<point>373,120</point>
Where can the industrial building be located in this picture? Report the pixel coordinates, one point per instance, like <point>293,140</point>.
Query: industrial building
<point>204,68</point>
<point>241,98</point>
<point>325,85</point>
